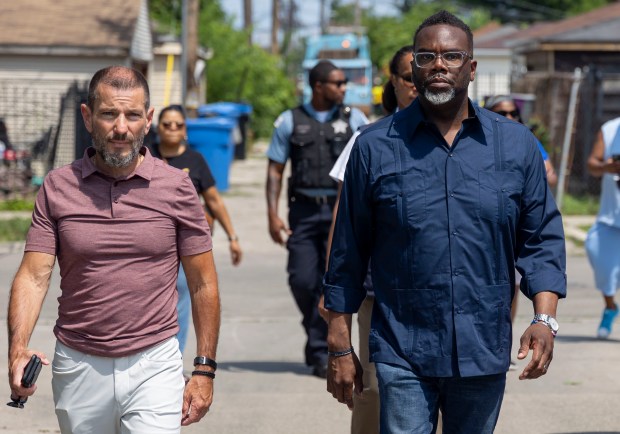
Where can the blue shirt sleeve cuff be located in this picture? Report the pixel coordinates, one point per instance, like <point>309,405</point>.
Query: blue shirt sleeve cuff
<point>547,280</point>
<point>343,300</point>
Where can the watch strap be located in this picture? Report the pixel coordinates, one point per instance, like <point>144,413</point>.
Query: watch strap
<point>203,360</point>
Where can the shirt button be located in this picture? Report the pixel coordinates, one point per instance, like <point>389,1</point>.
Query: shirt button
<point>456,273</point>
<point>116,200</point>
<point>451,194</point>
<point>450,154</point>
<point>459,310</point>
<point>454,233</point>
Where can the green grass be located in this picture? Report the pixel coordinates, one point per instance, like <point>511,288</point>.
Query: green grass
<point>14,229</point>
<point>17,205</point>
<point>580,205</point>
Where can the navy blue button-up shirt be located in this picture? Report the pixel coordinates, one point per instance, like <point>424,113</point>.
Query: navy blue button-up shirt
<point>444,227</point>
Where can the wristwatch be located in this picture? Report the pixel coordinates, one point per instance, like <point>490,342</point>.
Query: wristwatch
<point>202,360</point>
<point>547,320</point>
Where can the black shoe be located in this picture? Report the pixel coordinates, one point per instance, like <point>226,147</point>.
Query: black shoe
<point>319,370</point>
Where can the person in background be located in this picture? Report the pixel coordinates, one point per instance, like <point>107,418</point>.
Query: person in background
<point>312,135</point>
<point>505,105</point>
<point>398,93</point>
<point>174,150</point>
<point>603,239</point>
<point>443,197</point>
<point>119,221</point>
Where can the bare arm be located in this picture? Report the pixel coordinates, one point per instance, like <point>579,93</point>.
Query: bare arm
<point>205,299</point>
<point>274,186</point>
<point>215,204</point>
<point>27,294</point>
<point>596,162</point>
<point>552,177</point>
<point>539,338</point>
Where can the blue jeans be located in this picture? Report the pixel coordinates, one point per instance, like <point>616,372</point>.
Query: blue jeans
<point>410,404</point>
<point>184,305</point>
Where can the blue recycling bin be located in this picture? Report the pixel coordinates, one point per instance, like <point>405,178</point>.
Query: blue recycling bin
<point>239,112</point>
<point>212,137</point>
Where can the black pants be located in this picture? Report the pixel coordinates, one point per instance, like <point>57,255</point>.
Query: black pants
<point>307,247</point>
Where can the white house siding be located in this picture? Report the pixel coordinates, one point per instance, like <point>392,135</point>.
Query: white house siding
<point>492,74</point>
<point>157,81</point>
<point>141,44</point>
<point>31,88</point>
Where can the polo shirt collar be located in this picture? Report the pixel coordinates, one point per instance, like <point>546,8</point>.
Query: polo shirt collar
<point>144,170</point>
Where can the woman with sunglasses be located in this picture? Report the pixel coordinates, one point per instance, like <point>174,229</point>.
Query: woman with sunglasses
<point>174,150</point>
<point>504,105</point>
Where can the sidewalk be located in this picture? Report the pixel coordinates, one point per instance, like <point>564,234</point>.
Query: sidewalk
<point>263,387</point>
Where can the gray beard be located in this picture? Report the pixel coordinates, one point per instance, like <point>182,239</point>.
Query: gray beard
<point>439,98</point>
<point>117,160</point>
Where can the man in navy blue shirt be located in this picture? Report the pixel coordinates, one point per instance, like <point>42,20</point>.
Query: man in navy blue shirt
<point>445,198</point>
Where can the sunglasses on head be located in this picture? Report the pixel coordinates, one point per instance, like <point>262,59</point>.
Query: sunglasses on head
<point>514,113</point>
<point>169,124</point>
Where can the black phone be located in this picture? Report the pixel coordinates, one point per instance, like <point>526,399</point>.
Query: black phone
<point>31,373</point>
<point>616,157</point>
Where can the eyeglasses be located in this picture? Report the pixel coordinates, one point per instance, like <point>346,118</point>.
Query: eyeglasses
<point>338,83</point>
<point>177,125</point>
<point>513,114</point>
<point>452,59</point>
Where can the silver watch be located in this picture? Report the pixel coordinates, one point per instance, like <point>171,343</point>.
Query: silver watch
<point>547,320</point>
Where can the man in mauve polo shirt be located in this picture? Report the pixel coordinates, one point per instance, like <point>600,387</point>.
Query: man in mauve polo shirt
<point>119,221</point>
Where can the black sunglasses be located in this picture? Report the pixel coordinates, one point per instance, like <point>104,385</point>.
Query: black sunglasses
<point>167,125</point>
<point>514,113</point>
<point>338,83</point>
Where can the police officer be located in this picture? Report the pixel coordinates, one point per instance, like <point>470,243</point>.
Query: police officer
<point>312,135</point>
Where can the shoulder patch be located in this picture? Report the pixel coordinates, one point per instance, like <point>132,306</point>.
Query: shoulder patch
<point>278,121</point>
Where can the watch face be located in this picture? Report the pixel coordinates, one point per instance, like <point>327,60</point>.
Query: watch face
<point>554,324</point>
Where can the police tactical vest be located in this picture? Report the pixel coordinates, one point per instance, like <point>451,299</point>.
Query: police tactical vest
<point>315,147</point>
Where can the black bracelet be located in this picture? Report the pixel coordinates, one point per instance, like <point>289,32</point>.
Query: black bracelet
<point>202,360</point>
<point>205,373</point>
<point>340,353</point>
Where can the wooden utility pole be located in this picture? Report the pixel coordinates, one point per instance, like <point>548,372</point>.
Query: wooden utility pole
<point>322,17</point>
<point>193,98</point>
<point>275,25</point>
<point>247,19</point>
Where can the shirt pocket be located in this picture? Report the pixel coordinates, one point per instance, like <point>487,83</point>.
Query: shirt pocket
<point>401,200</point>
<point>417,310</point>
<point>493,316</point>
<point>499,195</point>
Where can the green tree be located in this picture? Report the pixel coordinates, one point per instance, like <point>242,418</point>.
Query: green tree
<point>237,71</point>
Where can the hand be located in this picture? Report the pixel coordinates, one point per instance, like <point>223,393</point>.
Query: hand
<point>611,166</point>
<point>342,374</point>
<point>17,364</point>
<point>322,311</point>
<point>235,251</point>
<point>539,338</point>
<point>276,227</point>
<point>197,399</point>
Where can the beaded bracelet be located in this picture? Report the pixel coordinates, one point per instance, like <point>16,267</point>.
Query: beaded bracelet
<point>340,353</point>
<point>205,373</point>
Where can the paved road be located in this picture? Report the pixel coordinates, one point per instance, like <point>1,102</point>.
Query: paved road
<point>262,384</point>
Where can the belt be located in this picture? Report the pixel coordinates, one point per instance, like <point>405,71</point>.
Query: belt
<point>318,200</point>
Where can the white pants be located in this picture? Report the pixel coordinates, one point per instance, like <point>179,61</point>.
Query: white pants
<point>139,394</point>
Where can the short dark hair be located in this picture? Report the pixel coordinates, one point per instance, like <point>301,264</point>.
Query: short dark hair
<point>321,72</point>
<point>445,17</point>
<point>118,77</point>
<point>172,108</point>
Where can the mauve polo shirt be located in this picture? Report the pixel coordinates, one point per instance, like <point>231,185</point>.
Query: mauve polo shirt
<point>118,243</point>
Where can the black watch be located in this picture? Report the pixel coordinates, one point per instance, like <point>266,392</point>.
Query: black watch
<point>202,360</point>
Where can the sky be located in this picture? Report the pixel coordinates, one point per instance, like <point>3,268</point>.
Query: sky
<point>308,14</point>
